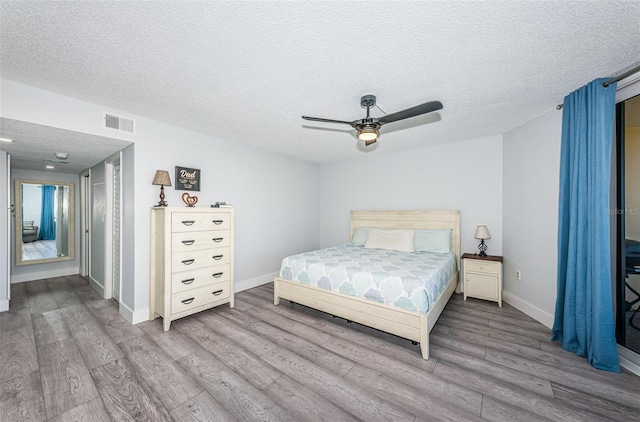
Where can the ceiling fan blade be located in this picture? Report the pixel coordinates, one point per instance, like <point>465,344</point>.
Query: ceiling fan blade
<point>411,112</point>
<point>318,119</point>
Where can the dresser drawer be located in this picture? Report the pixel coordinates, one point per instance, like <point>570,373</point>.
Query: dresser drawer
<point>194,298</point>
<point>192,260</point>
<point>199,221</point>
<point>193,279</point>
<point>488,267</point>
<point>191,241</point>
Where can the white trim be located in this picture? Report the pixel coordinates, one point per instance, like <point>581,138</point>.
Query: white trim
<point>134,317</point>
<point>108,228</point>
<point>254,282</point>
<point>534,312</point>
<point>628,360</point>
<point>21,278</point>
<point>85,223</point>
<point>4,305</point>
<point>96,286</point>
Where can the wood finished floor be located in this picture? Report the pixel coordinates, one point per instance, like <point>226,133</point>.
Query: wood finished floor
<point>66,355</point>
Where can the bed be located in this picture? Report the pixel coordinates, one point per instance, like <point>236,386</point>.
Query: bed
<point>412,321</point>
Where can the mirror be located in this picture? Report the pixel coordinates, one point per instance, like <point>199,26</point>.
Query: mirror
<point>44,221</point>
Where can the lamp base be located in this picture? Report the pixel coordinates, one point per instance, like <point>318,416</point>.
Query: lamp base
<point>162,202</point>
<point>483,248</point>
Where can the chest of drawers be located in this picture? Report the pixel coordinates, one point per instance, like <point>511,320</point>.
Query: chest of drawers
<point>191,261</point>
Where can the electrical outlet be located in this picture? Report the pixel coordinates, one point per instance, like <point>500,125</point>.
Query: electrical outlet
<point>518,275</point>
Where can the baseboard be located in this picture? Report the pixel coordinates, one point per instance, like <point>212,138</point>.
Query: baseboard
<point>534,312</point>
<point>134,317</point>
<point>628,360</point>
<point>4,305</point>
<point>96,286</point>
<point>254,282</point>
<point>21,278</point>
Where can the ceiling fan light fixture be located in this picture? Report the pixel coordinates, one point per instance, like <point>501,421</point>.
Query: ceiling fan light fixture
<point>368,134</point>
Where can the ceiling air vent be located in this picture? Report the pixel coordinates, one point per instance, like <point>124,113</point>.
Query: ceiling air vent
<point>111,121</point>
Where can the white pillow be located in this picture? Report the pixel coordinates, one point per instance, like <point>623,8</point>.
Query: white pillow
<point>394,240</point>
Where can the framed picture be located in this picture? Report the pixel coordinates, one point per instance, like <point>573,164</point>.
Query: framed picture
<point>187,179</point>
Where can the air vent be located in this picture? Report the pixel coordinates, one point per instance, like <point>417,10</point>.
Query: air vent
<point>111,121</point>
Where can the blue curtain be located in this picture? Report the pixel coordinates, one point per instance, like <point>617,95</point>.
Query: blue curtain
<point>47,229</point>
<point>584,320</point>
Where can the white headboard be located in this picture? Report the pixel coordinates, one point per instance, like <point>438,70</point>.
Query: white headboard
<point>420,219</point>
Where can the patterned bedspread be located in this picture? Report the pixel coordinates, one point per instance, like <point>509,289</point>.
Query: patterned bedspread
<point>411,281</point>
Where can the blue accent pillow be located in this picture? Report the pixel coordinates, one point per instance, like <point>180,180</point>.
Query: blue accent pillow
<point>360,236</point>
<point>435,241</point>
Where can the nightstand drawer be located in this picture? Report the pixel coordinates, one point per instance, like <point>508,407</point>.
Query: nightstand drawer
<point>477,265</point>
<point>481,286</point>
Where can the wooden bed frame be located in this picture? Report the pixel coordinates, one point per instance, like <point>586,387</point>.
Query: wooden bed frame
<point>414,326</point>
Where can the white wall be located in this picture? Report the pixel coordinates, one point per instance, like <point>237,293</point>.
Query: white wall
<point>276,197</point>
<point>127,227</point>
<point>97,201</point>
<point>530,215</point>
<point>32,204</point>
<point>632,181</point>
<point>465,176</point>
<point>49,269</point>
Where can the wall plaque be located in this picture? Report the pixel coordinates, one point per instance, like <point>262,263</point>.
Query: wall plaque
<point>187,179</point>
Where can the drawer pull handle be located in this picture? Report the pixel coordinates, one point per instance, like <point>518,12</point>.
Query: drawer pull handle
<point>217,292</point>
<point>217,257</point>
<point>218,239</point>
<point>188,281</point>
<point>188,301</point>
<point>188,242</point>
<point>188,261</point>
<point>218,275</point>
<point>188,222</point>
<point>217,222</point>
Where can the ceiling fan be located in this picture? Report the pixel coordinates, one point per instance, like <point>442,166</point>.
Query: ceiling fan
<point>369,127</point>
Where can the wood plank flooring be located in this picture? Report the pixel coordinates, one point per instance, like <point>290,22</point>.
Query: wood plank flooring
<point>67,355</point>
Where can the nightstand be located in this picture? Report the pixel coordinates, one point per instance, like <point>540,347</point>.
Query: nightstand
<point>482,277</point>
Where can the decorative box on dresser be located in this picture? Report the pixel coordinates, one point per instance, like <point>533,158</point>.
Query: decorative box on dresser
<point>482,277</point>
<point>191,261</point>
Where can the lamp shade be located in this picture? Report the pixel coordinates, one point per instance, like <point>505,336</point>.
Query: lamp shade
<point>482,232</point>
<point>161,178</point>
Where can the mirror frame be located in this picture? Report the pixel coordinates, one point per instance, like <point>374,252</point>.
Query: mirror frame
<point>18,222</point>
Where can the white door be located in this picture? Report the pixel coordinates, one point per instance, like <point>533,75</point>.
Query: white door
<point>115,272</point>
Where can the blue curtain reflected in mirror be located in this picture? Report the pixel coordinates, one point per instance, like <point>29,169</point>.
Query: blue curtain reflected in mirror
<point>48,214</point>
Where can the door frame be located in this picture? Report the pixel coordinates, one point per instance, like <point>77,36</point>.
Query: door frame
<point>626,89</point>
<point>108,217</point>
<point>85,223</point>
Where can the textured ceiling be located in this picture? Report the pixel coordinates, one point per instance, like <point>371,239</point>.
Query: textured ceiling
<point>247,71</point>
<point>35,147</point>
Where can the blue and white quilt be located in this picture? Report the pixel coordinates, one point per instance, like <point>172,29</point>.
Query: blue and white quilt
<point>408,280</point>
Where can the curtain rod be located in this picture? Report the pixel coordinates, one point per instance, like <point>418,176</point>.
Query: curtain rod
<point>621,77</point>
<point>612,80</point>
